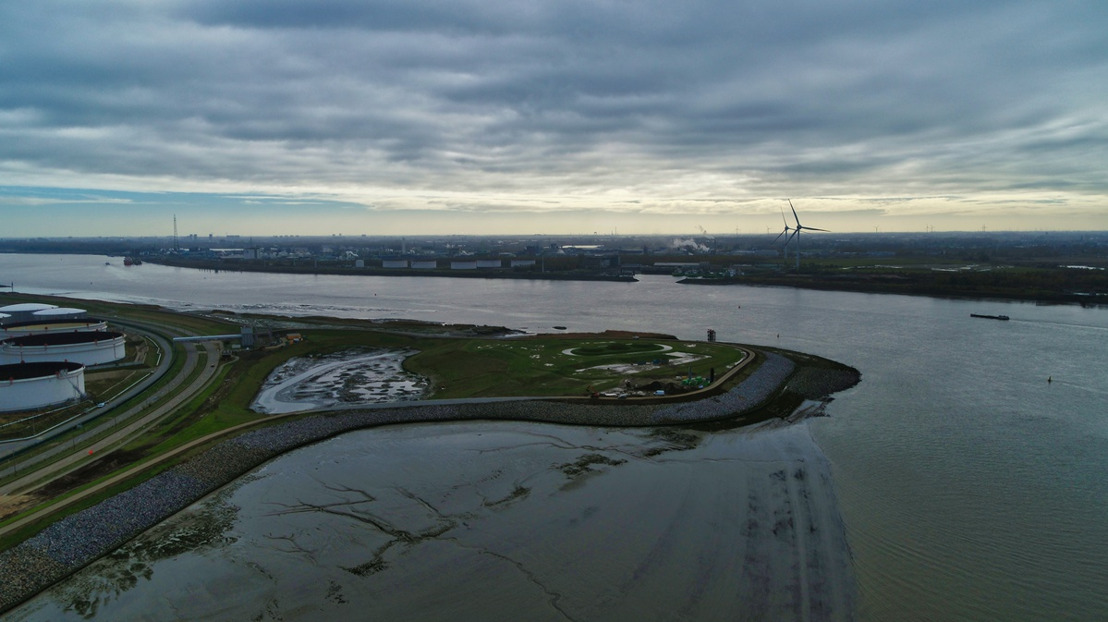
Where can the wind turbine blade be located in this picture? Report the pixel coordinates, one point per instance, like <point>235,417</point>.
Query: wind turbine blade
<point>779,236</point>
<point>814,229</point>
<point>796,234</point>
<point>783,217</point>
<point>795,217</point>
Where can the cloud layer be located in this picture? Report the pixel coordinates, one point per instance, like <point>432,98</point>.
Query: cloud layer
<point>509,107</point>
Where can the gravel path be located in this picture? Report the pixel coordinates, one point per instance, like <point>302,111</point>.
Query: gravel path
<point>79,539</point>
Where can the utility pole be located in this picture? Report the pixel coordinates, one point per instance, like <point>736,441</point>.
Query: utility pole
<point>176,245</point>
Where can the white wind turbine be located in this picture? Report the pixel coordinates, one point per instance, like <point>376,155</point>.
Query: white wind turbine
<point>796,234</point>
<point>785,233</point>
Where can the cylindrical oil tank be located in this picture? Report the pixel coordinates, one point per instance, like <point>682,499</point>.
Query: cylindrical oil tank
<point>60,313</point>
<point>38,327</point>
<point>92,348</point>
<point>27,386</point>
<point>24,311</point>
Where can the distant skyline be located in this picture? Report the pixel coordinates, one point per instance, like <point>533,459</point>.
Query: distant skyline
<point>384,117</point>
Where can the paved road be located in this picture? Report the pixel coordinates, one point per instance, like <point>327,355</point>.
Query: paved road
<point>14,448</point>
<point>67,457</point>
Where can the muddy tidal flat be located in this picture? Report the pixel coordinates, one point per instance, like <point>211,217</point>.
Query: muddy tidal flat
<point>496,520</point>
<point>348,377</point>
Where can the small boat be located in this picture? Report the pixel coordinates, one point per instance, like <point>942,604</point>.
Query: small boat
<point>559,328</point>
<point>989,317</point>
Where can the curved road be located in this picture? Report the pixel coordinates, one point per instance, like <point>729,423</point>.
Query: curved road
<point>14,448</point>
<point>69,456</point>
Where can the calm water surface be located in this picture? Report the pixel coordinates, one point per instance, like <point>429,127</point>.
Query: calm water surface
<point>970,487</point>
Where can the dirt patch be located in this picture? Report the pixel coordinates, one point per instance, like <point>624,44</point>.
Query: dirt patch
<point>11,504</point>
<point>104,466</point>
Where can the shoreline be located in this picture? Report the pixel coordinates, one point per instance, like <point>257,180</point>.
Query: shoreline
<point>906,289</point>
<point>488,273</point>
<point>77,540</point>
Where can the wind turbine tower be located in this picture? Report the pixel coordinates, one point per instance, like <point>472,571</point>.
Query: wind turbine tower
<point>785,233</point>
<point>176,245</point>
<point>796,234</point>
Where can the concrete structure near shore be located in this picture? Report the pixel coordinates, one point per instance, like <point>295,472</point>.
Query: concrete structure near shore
<point>27,386</point>
<point>87,348</point>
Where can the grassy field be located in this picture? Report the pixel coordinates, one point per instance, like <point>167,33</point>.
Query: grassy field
<point>541,366</point>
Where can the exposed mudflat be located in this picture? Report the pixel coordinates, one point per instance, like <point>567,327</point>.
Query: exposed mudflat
<point>349,377</point>
<point>496,521</point>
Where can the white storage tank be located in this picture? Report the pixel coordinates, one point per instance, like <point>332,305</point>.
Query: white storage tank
<point>60,313</point>
<point>38,327</point>
<point>93,348</point>
<point>28,386</point>
<point>24,311</point>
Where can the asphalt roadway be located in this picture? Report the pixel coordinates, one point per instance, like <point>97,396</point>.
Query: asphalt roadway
<point>66,457</point>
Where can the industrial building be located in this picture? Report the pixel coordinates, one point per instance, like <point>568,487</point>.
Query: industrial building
<point>87,348</point>
<point>27,386</point>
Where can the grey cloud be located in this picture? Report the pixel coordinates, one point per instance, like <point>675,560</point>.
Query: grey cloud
<point>580,95</point>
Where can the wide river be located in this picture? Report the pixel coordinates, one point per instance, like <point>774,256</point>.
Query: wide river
<point>970,487</point>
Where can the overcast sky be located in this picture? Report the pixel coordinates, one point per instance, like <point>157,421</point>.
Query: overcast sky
<point>470,116</point>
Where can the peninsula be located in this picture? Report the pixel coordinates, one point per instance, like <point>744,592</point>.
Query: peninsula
<point>78,495</point>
